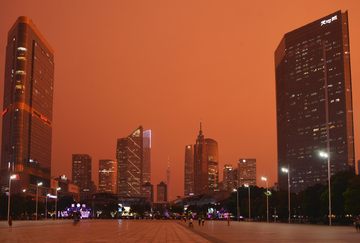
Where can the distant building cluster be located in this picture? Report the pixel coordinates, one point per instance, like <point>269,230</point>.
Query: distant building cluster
<point>202,169</point>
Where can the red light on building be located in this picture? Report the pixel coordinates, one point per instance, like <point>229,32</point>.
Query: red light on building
<point>5,111</point>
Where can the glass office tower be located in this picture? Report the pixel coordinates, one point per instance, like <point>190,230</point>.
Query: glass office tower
<point>27,108</point>
<point>300,60</point>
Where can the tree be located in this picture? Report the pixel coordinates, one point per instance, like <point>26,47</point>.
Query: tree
<point>313,205</point>
<point>352,196</point>
<point>17,204</point>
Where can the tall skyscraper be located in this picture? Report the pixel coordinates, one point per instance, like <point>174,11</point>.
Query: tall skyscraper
<point>201,166</point>
<point>27,108</point>
<point>247,172</point>
<point>108,176</point>
<point>213,165</point>
<point>81,173</point>
<point>201,179</point>
<point>161,192</point>
<point>147,156</point>
<point>189,170</point>
<point>129,156</point>
<point>300,61</point>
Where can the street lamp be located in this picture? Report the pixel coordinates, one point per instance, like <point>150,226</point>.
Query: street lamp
<point>57,189</point>
<point>287,170</point>
<point>11,177</point>
<point>326,155</point>
<point>37,197</point>
<point>248,186</point>
<point>267,199</point>
<point>237,203</point>
<point>46,205</point>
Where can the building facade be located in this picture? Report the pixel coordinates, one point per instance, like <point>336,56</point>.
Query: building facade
<point>27,108</point>
<point>129,157</point>
<point>148,192</point>
<point>247,172</point>
<point>228,177</point>
<point>81,174</point>
<point>301,94</point>
<point>189,170</point>
<point>213,164</point>
<point>108,176</point>
<point>161,192</point>
<point>201,178</point>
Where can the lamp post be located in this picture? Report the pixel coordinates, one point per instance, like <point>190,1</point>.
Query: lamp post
<point>326,155</point>
<point>37,197</point>
<point>248,186</point>
<point>46,205</point>
<point>237,203</point>
<point>287,170</point>
<point>57,189</point>
<point>267,199</point>
<point>11,177</point>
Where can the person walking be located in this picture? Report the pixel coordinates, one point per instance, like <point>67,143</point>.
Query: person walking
<point>229,221</point>
<point>357,224</point>
<point>199,221</point>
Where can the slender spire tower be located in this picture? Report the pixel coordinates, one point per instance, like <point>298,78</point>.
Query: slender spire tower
<point>168,181</point>
<point>201,136</point>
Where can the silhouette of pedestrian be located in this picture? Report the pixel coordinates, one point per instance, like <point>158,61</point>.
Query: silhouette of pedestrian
<point>199,221</point>
<point>10,221</point>
<point>228,221</point>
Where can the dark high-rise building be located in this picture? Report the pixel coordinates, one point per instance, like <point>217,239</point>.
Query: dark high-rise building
<point>189,170</point>
<point>247,172</point>
<point>81,174</point>
<point>147,156</point>
<point>108,176</point>
<point>129,156</point>
<point>300,61</point>
<point>161,192</point>
<point>27,108</point>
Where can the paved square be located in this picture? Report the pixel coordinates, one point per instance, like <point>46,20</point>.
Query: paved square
<point>170,231</point>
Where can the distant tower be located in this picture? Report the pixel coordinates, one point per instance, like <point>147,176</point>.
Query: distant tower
<point>81,173</point>
<point>201,166</point>
<point>168,182</point>
<point>189,170</point>
<point>228,177</point>
<point>247,172</point>
<point>108,176</point>
<point>129,156</point>
<point>161,192</point>
<point>147,156</point>
<point>201,180</point>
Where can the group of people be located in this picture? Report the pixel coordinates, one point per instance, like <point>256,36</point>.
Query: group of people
<point>191,224</point>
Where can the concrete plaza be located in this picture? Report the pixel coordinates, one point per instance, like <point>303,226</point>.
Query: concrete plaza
<point>171,231</point>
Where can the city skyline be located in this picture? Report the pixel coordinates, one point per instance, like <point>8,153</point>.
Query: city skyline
<point>166,67</point>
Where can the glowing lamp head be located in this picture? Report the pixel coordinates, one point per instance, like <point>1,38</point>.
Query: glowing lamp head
<point>285,170</point>
<point>58,189</point>
<point>264,178</point>
<point>322,154</point>
<point>39,184</point>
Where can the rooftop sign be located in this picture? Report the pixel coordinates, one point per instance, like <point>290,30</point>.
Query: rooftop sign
<point>328,21</point>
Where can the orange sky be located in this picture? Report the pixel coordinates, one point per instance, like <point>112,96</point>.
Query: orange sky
<point>165,65</point>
